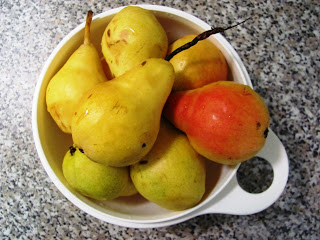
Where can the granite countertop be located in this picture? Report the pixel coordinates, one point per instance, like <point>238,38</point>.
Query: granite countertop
<point>280,49</point>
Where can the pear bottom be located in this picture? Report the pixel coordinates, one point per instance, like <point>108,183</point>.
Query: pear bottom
<point>92,179</point>
<point>172,174</point>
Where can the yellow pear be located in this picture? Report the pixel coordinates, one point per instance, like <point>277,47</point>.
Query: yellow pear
<point>172,174</point>
<point>197,66</point>
<point>117,122</point>
<point>82,71</point>
<point>133,35</point>
<point>92,179</point>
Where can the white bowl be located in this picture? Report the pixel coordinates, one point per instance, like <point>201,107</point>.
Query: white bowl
<point>226,197</point>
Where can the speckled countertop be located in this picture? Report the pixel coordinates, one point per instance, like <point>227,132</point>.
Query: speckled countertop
<point>280,49</point>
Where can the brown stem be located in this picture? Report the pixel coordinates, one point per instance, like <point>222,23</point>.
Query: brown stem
<point>87,39</point>
<point>200,37</point>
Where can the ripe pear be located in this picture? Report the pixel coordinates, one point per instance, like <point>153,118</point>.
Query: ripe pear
<point>172,174</point>
<point>117,122</point>
<point>132,36</point>
<point>92,179</point>
<point>82,71</point>
<point>225,121</point>
<point>197,66</point>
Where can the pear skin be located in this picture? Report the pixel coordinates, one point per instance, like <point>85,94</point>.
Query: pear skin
<point>82,71</point>
<point>133,36</point>
<point>172,174</point>
<point>197,66</point>
<point>226,122</point>
<point>117,122</point>
<point>91,179</point>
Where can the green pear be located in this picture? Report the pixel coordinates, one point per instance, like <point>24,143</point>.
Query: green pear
<point>172,174</point>
<point>92,179</point>
<point>133,35</point>
<point>117,122</point>
<point>82,71</point>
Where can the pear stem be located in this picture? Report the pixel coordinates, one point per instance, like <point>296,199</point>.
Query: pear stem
<point>202,36</point>
<point>87,39</point>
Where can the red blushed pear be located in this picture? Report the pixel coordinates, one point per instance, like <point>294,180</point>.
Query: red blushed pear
<point>226,122</point>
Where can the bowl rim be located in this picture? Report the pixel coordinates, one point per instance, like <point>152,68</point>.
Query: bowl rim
<point>179,217</point>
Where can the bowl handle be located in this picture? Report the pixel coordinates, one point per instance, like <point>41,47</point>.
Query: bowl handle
<point>234,200</point>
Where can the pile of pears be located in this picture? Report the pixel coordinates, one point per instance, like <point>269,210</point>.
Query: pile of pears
<point>143,125</point>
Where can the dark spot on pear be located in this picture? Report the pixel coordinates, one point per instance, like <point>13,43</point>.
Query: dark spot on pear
<point>246,91</point>
<point>144,145</point>
<point>258,125</point>
<point>81,150</point>
<point>143,63</point>
<point>265,133</point>
<point>90,96</point>
<point>72,150</point>
<point>109,34</point>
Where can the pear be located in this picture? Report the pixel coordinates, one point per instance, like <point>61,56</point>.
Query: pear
<point>132,36</point>
<point>225,121</point>
<point>91,179</point>
<point>82,71</point>
<point>129,189</point>
<point>172,174</point>
<point>117,122</point>
<point>197,66</point>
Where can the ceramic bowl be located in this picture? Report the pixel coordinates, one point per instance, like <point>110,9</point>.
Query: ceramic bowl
<point>224,196</point>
